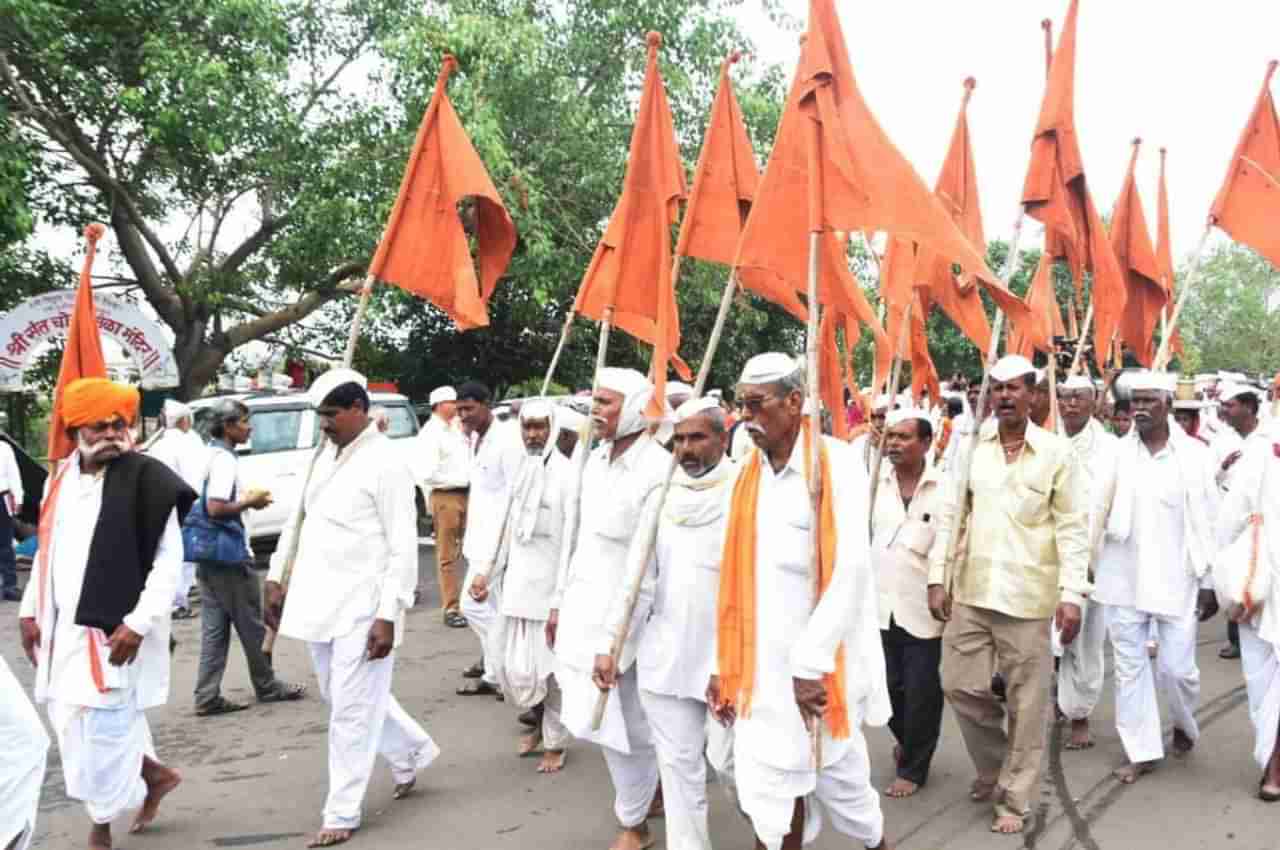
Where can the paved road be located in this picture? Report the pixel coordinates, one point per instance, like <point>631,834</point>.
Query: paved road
<point>257,779</point>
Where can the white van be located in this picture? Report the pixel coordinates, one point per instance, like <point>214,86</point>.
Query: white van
<point>285,431</point>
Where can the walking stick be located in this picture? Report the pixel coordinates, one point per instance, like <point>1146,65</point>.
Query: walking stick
<point>895,377</point>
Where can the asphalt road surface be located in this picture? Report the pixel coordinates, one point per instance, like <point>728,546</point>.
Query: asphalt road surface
<point>257,779</point>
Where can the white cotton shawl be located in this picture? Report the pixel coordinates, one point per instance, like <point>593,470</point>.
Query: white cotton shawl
<point>696,502</point>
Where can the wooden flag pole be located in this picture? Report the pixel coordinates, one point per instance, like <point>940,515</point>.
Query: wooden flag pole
<point>813,460</point>
<point>960,505</point>
<point>1052,369</point>
<point>654,518</point>
<point>358,322</point>
<point>895,376</point>
<point>1080,340</point>
<point>555,358</point>
<point>1162,355</point>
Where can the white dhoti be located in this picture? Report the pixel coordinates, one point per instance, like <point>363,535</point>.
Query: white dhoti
<point>102,751</point>
<point>624,737</point>
<point>1137,707</point>
<point>1083,667</point>
<point>482,617</point>
<point>524,668</point>
<point>26,750</point>
<point>1261,662</point>
<point>679,728</point>
<point>843,788</point>
<point>365,721</point>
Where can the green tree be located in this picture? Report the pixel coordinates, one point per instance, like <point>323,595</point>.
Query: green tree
<point>1232,317</point>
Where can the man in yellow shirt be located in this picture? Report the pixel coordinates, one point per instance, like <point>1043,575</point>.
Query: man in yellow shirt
<point>1023,561</point>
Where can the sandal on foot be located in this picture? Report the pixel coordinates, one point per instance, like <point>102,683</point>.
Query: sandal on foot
<point>475,671</point>
<point>477,688</point>
<point>403,789</point>
<point>454,620</point>
<point>284,692</point>
<point>220,705</point>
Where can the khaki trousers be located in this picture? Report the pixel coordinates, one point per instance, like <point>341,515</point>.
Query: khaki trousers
<point>449,513</point>
<point>976,643</point>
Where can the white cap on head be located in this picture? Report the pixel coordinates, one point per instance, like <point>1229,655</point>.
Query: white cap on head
<point>1165,382</point>
<point>330,381</point>
<point>537,408</point>
<point>636,393</point>
<point>1232,377</point>
<point>569,419</point>
<point>1077,382</point>
<point>678,388</point>
<point>1189,404</point>
<point>768,368</point>
<point>1011,366</point>
<point>1231,391</point>
<point>175,410</point>
<point>1040,375</point>
<point>695,406</point>
<point>442,394</point>
<point>904,414</point>
<point>884,401</point>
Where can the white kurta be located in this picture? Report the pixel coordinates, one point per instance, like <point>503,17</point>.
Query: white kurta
<point>900,550</point>
<point>772,753</point>
<point>26,748</point>
<point>441,457</point>
<point>188,456</point>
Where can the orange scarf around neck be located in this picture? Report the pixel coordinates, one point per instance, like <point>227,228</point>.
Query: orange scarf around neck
<point>737,611</point>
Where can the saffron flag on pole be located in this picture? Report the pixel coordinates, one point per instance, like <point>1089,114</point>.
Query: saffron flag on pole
<point>1045,321</point>
<point>424,249</point>
<point>1248,204</point>
<point>1164,251</point>
<point>724,182</point>
<point>1056,193</point>
<point>1146,296</point>
<point>899,276</point>
<point>82,355</point>
<point>630,272</point>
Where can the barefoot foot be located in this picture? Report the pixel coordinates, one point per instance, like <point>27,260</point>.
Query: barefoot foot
<point>636,838</point>
<point>1008,824</point>
<point>901,788</point>
<point>100,837</point>
<point>552,761</point>
<point>160,781</point>
<point>403,789</point>
<point>529,744</point>
<point>982,790</point>
<point>330,837</point>
<point>1130,773</point>
<point>1081,738</point>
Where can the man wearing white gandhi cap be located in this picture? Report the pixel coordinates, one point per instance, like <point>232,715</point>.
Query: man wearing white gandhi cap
<point>1154,569</point>
<point>1081,668</point>
<point>352,581</point>
<point>180,448</point>
<point>621,487</point>
<point>783,664</point>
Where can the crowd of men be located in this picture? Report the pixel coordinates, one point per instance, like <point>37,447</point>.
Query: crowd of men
<point>678,582</point>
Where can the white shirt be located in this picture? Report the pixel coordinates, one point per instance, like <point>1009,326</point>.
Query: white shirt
<point>225,485</point>
<point>183,452</point>
<point>677,650</point>
<point>495,463</point>
<point>358,551</point>
<point>1095,448</point>
<point>900,549</point>
<point>1257,490</point>
<point>618,498</point>
<point>67,677</point>
<point>442,458</point>
<point>791,641</point>
<point>10,476</point>
<point>529,582</point>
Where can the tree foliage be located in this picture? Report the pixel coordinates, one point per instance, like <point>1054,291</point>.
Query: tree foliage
<point>1232,317</point>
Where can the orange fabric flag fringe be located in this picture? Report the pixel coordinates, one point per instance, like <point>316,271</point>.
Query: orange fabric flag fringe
<point>830,372</point>
<point>424,249</point>
<point>1164,250</point>
<point>866,183</point>
<point>82,356</point>
<point>898,288</point>
<point>724,182</point>
<point>957,189</point>
<point>631,268</point>
<point>1056,193</point>
<point>1046,318</point>
<point>1248,204</point>
<point>1147,296</point>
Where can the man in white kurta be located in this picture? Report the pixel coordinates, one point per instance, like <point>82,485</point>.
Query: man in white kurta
<point>1082,667</point>
<point>26,749</point>
<point>1239,407</point>
<point>621,487</point>
<point>526,568</point>
<point>98,679</point>
<point>796,644</point>
<point>347,592</point>
<point>677,648</point>
<point>442,466</point>
<point>1154,569</point>
<point>1254,497</point>
<point>180,448</point>
<point>496,455</point>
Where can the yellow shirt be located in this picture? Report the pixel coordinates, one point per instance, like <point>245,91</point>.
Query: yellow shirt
<point>1027,532</point>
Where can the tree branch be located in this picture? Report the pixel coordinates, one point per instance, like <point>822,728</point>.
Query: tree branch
<point>164,299</point>
<point>252,244</point>
<point>343,280</point>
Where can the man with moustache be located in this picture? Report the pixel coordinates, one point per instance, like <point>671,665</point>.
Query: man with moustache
<point>621,489</point>
<point>1023,567</point>
<point>95,615</point>
<point>678,606</point>
<point>1153,570</point>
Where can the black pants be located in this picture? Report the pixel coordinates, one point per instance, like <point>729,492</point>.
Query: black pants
<point>1233,634</point>
<point>915,690</point>
<point>8,562</point>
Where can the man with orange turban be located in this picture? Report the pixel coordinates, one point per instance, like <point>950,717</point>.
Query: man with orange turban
<point>95,615</point>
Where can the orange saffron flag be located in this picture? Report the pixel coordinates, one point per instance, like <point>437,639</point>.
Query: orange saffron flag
<point>82,356</point>
<point>957,189</point>
<point>630,272</point>
<point>1248,204</point>
<point>1147,296</point>
<point>1164,250</point>
<point>862,182</point>
<point>424,249</point>
<point>724,182</point>
<point>899,288</point>
<point>1046,318</point>
<point>1056,193</point>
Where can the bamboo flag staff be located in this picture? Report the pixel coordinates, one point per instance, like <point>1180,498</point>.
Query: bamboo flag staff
<point>424,248</point>
<point>1147,295</point>
<point>724,185</point>
<point>899,354</point>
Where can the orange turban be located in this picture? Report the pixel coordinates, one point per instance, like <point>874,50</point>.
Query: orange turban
<point>89,400</point>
